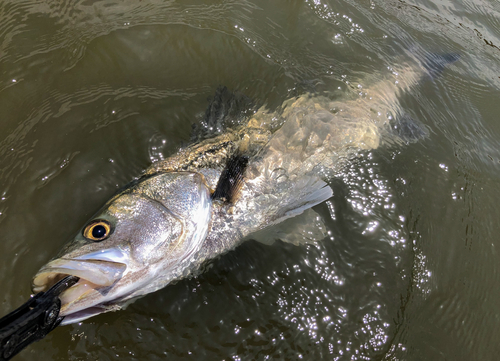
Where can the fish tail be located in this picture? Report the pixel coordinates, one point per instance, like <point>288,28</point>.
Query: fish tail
<point>435,63</point>
<point>407,128</point>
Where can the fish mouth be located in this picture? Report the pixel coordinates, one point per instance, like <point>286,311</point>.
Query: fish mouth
<point>97,271</point>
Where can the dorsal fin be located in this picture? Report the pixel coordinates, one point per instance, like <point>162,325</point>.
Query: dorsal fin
<point>227,109</point>
<point>231,179</point>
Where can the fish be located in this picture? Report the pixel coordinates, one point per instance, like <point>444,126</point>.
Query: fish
<point>245,172</point>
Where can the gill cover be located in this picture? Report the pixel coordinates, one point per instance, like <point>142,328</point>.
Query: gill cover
<point>186,196</point>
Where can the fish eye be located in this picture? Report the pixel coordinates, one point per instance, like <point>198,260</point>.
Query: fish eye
<point>97,230</point>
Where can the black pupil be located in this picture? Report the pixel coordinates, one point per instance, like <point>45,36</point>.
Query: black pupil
<point>99,231</point>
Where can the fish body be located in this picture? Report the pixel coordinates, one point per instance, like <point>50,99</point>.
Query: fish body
<point>210,196</point>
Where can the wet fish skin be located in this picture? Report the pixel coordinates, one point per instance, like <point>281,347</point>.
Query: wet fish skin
<point>158,224</point>
<point>166,225</point>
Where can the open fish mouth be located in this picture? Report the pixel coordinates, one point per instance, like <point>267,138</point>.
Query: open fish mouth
<point>97,272</point>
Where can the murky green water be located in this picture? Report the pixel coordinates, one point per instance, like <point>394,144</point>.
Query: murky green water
<point>92,92</point>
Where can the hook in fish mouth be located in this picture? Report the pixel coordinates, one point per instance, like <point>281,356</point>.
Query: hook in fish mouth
<point>96,270</point>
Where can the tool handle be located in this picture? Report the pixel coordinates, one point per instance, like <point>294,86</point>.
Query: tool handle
<point>33,320</point>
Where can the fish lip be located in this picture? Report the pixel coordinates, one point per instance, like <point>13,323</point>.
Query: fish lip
<point>97,271</point>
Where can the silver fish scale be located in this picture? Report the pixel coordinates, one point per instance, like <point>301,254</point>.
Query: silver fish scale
<point>172,227</point>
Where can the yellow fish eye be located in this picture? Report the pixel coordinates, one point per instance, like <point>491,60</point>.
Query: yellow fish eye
<point>97,230</point>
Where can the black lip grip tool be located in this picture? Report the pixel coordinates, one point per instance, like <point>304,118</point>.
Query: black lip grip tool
<point>33,320</point>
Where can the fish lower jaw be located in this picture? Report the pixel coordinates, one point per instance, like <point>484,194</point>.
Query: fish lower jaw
<point>83,300</point>
<point>80,309</point>
<point>83,314</point>
<point>81,289</point>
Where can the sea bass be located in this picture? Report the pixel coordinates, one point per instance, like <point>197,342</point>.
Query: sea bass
<point>239,178</point>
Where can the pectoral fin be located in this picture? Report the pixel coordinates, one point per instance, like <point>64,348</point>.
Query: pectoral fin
<point>231,179</point>
<point>305,228</point>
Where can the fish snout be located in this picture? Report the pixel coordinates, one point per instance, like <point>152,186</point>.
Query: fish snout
<point>99,273</point>
<point>96,270</point>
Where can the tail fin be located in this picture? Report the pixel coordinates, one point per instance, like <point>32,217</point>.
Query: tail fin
<point>436,63</point>
<point>407,128</point>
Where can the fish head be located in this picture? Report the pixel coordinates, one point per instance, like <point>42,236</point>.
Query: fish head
<point>141,240</point>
